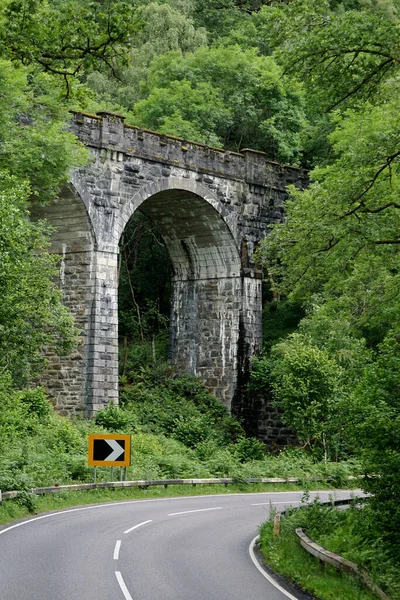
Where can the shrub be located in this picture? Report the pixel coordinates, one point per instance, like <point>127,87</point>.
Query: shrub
<point>247,449</point>
<point>64,436</point>
<point>223,464</point>
<point>193,430</point>
<point>166,404</point>
<point>21,411</point>
<point>78,468</point>
<point>114,418</point>
<point>12,478</point>
<point>178,466</point>
<point>36,403</point>
<point>145,444</point>
<point>27,500</point>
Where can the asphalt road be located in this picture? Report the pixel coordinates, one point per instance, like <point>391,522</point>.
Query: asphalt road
<point>193,548</point>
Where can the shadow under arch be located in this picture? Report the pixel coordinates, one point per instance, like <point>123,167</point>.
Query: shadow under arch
<point>168,186</point>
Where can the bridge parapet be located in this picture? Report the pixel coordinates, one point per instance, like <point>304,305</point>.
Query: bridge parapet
<point>107,131</point>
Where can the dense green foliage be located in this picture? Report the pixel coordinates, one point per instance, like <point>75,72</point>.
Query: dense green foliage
<point>224,96</point>
<point>345,532</point>
<point>66,38</point>
<point>35,154</point>
<point>337,254</point>
<point>178,430</point>
<point>31,314</point>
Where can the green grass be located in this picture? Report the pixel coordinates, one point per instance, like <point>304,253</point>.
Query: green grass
<point>285,556</point>
<point>354,534</point>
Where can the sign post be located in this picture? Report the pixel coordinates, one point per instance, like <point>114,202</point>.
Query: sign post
<point>109,450</point>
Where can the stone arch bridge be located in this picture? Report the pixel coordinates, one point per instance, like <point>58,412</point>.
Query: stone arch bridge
<point>211,206</point>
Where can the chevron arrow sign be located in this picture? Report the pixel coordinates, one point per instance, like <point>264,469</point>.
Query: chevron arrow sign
<point>109,450</point>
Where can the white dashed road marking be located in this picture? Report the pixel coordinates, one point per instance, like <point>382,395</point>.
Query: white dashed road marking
<point>186,512</point>
<point>137,526</point>
<point>117,549</point>
<point>122,585</point>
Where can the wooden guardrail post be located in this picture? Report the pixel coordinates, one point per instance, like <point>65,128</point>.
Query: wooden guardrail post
<point>277,524</point>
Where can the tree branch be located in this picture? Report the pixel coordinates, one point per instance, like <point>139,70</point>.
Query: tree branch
<point>366,80</point>
<point>361,206</point>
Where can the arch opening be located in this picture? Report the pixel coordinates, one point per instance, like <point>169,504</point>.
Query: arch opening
<point>144,295</point>
<point>205,284</point>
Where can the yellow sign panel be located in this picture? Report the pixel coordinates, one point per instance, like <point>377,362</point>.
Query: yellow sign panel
<point>109,450</point>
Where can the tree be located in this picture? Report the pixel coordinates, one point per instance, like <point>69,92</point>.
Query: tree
<point>35,143</point>
<point>164,28</point>
<point>341,51</point>
<point>306,383</point>
<point>374,426</point>
<point>341,236</point>
<point>36,153</point>
<point>221,17</point>
<point>338,251</point>
<point>341,55</point>
<point>31,313</point>
<point>66,38</point>
<point>228,96</point>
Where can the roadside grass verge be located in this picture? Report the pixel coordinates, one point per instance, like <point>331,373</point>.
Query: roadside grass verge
<point>349,533</point>
<point>28,504</point>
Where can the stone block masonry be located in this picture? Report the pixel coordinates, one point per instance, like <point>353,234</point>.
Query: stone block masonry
<point>212,208</point>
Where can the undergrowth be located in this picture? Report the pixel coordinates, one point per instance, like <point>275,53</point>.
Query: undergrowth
<point>349,533</point>
<point>178,431</point>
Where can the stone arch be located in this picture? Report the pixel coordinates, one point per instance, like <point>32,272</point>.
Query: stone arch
<point>171,184</point>
<point>192,220</point>
<point>205,307</point>
<point>215,316</point>
<point>69,216</point>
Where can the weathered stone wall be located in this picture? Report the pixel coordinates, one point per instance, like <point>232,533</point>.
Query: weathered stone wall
<point>211,206</point>
<point>205,325</point>
<point>263,420</point>
<point>66,378</point>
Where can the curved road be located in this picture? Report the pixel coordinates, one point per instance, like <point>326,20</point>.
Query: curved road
<point>192,548</point>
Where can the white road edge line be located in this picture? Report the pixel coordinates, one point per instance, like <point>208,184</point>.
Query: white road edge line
<point>138,525</point>
<point>122,585</point>
<point>265,574</point>
<point>117,549</point>
<point>186,512</point>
